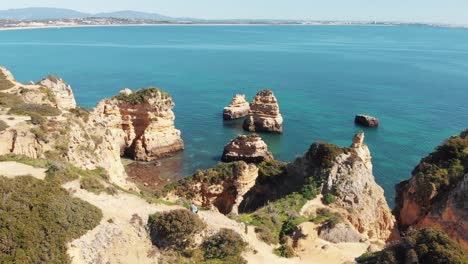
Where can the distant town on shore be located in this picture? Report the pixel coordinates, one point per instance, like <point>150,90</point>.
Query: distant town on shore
<point>54,17</point>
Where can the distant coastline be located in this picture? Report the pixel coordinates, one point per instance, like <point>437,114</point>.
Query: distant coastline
<point>57,26</point>
<point>111,22</point>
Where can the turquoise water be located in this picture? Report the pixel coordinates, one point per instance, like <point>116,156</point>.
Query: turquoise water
<point>415,79</point>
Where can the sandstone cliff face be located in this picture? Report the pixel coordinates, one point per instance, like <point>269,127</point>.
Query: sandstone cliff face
<point>264,114</point>
<point>251,149</point>
<point>144,128</point>
<point>222,187</point>
<point>237,109</point>
<point>436,194</point>
<point>62,92</point>
<point>347,175</point>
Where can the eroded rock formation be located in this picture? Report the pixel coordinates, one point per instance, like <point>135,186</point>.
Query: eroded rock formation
<point>264,114</point>
<point>143,122</point>
<point>346,174</point>
<point>249,148</point>
<point>222,187</point>
<point>437,192</point>
<point>237,109</point>
<point>62,91</point>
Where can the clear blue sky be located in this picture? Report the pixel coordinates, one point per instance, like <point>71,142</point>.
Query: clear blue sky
<point>446,11</point>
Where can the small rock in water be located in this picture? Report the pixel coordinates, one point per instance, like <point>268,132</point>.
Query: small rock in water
<point>366,120</point>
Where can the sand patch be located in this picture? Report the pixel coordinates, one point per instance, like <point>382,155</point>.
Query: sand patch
<point>11,169</point>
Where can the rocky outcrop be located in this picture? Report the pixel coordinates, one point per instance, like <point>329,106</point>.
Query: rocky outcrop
<point>237,109</point>
<point>346,174</point>
<point>436,193</point>
<point>142,123</point>
<point>339,233</point>
<point>264,114</point>
<point>222,187</point>
<point>251,149</point>
<point>366,120</point>
<point>62,91</point>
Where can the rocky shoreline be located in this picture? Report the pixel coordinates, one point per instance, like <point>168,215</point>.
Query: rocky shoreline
<point>323,207</point>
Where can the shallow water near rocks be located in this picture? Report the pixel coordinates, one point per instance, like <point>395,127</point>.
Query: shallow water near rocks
<point>414,79</point>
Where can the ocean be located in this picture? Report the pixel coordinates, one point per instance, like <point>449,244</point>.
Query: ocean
<point>414,79</point>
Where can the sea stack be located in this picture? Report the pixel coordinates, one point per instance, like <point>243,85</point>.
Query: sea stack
<point>251,149</point>
<point>264,114</point>
<point>366,120</point>
<point>237,109</point>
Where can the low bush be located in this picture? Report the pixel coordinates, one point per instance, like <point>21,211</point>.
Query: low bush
<point>37,119</point>
<point>270,168</point>
<point>141,96</point>
<point>3,125</point>
<point>9,100</point>
<point>329,198</point>
<point>420,246</point>
<point>323,154</point>
<point>92,185</point>
<point>39,133</point>
<point>80,112</point>
<point>37,220</point>
<point>226,243</point>
<point>285,250</point>
<point>174,229</point>
<point>28,109</point>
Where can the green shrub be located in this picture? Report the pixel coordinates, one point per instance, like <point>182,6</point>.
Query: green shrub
<point>310,191</point>
<point>80,112</point>
<point>265,235</point>
<point>39,133</point>
<point>28,109</point>
<point>285,250</point>
<point>442,169</point>
<point>92,184</point>
<point>141,96</point>
<point>323,154</point>
<point>420,246</point>
<point>175,228</point>
<point>9,100</point>
<point>38,218</point>
<point>329,198</point>
<point>49,95</point>
<point>3,125</point>
<point>225,243</point>
<point>271,168</point>
<point>37,119</point>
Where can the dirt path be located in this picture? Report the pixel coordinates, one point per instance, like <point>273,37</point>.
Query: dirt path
<point>11,169</point>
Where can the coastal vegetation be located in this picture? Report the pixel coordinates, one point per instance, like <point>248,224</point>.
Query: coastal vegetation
<point>4,83</point>
<point>3,125</point>
<point>440,172</point>
<point>225,246</point>
<point>8,100</point>
<point>38,219</point>
<point>174,229</point>
<point>211,176</point>
<point>28,109</point>
<point>419,246</point>
<point>322,154</point>
<point>141,96</point>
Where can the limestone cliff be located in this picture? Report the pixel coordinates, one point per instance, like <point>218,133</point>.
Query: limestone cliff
<point>61,90</point>
<point>436,193</point>
<point>264,114</point>
<point>222,187</point>
<point>346,175</point>
<point>251,149</point>
<point>46,124</point>
<point>143,123</point>
<point>237,109</point>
